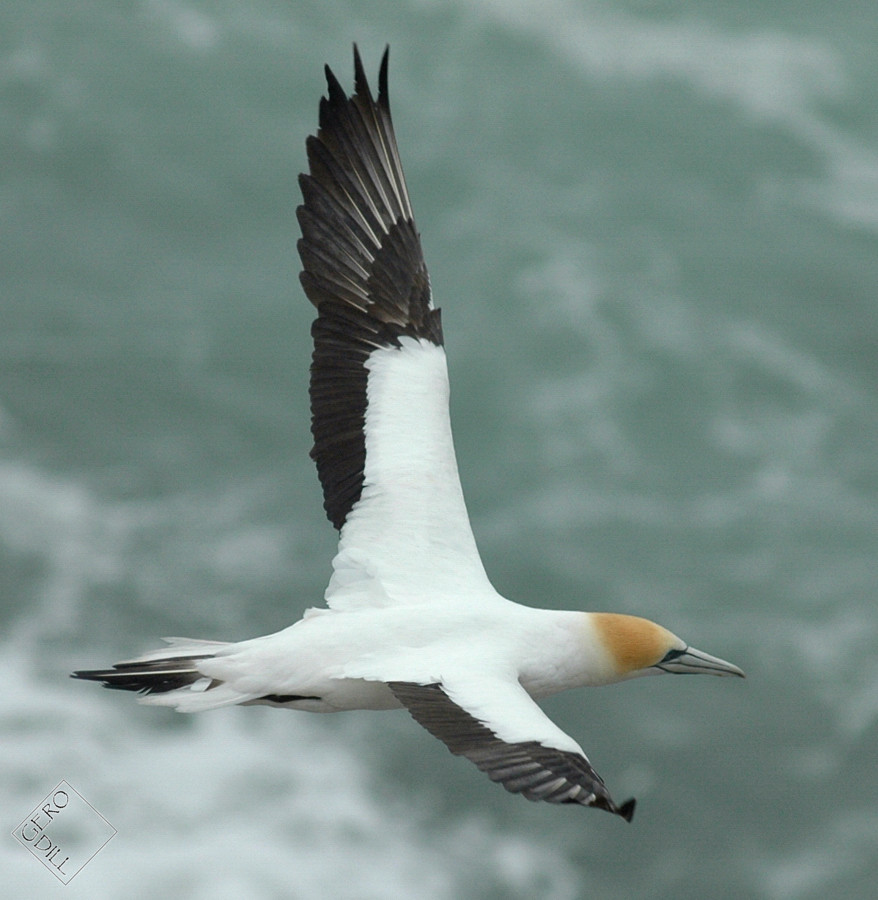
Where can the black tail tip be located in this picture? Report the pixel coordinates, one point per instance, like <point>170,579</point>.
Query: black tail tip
<point>90,675</point>
<point>103,676</point>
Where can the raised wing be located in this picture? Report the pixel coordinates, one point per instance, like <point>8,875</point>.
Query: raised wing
<point>379,383</point>
<point>510,738</point>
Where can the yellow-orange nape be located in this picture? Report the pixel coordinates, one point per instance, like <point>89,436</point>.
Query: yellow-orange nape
<point>634,643</point>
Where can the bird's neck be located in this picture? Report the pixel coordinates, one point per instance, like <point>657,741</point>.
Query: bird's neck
<point>564,650</point>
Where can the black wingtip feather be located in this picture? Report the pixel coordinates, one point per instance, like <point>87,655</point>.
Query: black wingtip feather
<point>361,83</point>
<point>626,810</point>
<point>333,85</point>
<point>383,92</point>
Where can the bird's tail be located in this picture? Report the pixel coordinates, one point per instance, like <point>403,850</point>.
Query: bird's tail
<point>171,677</point>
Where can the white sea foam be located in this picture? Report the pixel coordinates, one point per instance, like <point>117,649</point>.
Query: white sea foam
<point>246,803</point>
<point>769,74</point>
<point>783,78</point>
<point>188,24</point>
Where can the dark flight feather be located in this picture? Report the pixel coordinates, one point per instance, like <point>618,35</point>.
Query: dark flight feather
<point>363,268</point>
<point>527,767</point>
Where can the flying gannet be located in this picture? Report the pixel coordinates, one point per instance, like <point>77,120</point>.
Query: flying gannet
<point>411,619</point>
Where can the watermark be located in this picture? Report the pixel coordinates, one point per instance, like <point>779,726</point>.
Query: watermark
<point>64,832</point>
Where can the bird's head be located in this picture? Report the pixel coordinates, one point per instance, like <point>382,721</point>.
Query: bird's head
<point>638,647</point>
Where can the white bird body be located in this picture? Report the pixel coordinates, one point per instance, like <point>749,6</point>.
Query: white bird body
<point>411,618</point>
<point>346,658</point>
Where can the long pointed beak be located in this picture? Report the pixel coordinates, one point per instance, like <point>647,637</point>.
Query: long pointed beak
<point>695,662</point>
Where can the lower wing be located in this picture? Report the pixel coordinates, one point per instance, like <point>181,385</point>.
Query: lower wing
<point>508,737</point>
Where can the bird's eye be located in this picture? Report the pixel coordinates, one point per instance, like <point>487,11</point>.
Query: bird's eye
<point>671,655</point>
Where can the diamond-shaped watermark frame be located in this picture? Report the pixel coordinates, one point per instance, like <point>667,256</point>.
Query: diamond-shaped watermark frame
<point>64,832</point>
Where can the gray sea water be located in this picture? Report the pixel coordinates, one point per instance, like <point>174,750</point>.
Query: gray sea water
<point>653,230</point>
